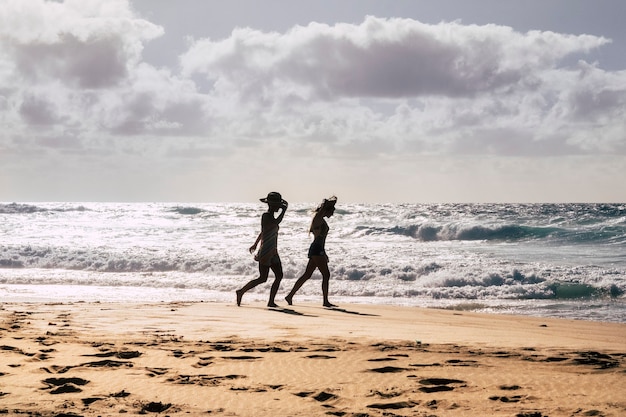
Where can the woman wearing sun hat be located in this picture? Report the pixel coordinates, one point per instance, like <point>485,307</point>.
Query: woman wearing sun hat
<point>268,253</point>
<point>317,253</point>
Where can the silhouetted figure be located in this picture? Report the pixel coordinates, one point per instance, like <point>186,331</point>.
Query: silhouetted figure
<point>317,253</point>
<point>268,253</point>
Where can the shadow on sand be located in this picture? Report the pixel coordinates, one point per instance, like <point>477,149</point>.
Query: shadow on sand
<point>289,311</point>
<point>343,310</point>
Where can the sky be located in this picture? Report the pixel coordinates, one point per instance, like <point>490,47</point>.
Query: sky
<point>375,101</point>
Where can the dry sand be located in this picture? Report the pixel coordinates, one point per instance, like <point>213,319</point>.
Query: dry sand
<point>97,359</point>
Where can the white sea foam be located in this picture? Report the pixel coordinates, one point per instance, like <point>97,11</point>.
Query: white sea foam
<point>496,257</point>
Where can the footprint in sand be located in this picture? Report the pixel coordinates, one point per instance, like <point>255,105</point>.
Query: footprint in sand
<point>392,406</point>
<point>203,379</point>
<point>203,362</point>
<point>107,363</point>
<point>439,384</point>
<point>43,340</point>
<point>504,399</point>
<point>597,359</point>
<point>388,370</point>
<point>17,319</point>
<point>386,395</point>
<point>125,354</point>
<point>157,371</point>
<point>272,349</point>
<point>16,350</point>
<point>321,357</point>
<point>388,359</point>
<point>155,407</point>
<point>90,400</point>
<point>64,385</point>
<point>509,387</point>
<point>223,347</point>
<point>324,348</point>
<point>242,358</point>
<point>322,396</point>
<point>424,365</point>
<point>260,388</point>
<point>181,355</point>
<point>461,362</point>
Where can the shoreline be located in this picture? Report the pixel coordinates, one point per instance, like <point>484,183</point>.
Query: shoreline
<point>598,310</point>
<point>192,358</point>
<point>193,319</point>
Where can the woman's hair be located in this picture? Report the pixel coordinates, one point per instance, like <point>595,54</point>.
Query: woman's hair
<point>328,202</point>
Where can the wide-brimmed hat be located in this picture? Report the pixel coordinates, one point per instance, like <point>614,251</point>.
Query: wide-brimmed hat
<point>273,198</point>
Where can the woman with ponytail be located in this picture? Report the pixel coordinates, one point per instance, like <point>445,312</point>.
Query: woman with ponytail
<point>317,254</point>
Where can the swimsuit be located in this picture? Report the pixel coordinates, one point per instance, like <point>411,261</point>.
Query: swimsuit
<point>317,247</point>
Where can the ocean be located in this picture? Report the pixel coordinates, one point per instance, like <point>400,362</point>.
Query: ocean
<point>547,260</point>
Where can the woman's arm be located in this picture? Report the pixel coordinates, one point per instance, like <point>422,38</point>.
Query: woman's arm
<point>316,223</point>
<point>268,220</point>
<point>258,239</point>
<point>282,214</point>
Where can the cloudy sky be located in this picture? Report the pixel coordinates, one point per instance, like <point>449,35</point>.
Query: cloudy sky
<point>371,100</point>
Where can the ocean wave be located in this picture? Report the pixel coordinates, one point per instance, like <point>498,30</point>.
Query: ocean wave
<point>97,259</point>
<point>501,233</point>
<point>186,210</point>
<point>495,280</point>
<point>504,233</point>
<point>427,232</point>
<point>467,253</point>
<point>431,280</point>
<point>17,208</point>
<point>20,208</point>
<point>437,281</point>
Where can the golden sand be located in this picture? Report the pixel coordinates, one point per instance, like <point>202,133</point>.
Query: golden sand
<point>97,359</point>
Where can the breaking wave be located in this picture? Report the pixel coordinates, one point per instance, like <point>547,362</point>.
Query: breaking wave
<point>18,208</point>
<point>456,253</point>
<point>503,233</point>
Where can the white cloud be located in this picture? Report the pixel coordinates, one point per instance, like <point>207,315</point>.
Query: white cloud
<point>74,87</point>
<point>89,44</point>
<point>470,81</point>
<point>386,58</point>
<point>76,68</point>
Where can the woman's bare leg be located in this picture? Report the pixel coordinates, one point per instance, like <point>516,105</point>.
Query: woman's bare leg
<point>278,272</point>
<point>263,273</point>
<point>323,267</point>
<point>310,268</point>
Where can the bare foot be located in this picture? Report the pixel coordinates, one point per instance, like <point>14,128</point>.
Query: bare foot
<point>328,304</point>
<point>239,296</point>
<point>289,300</point>
<point>272,304</point>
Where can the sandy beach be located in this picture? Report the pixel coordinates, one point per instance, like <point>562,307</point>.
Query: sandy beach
<point>96,359</point>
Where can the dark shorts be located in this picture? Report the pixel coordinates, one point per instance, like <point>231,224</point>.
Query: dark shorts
<point>316,250</point>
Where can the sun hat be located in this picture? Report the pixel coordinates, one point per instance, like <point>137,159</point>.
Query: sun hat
<point>273,198</point>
